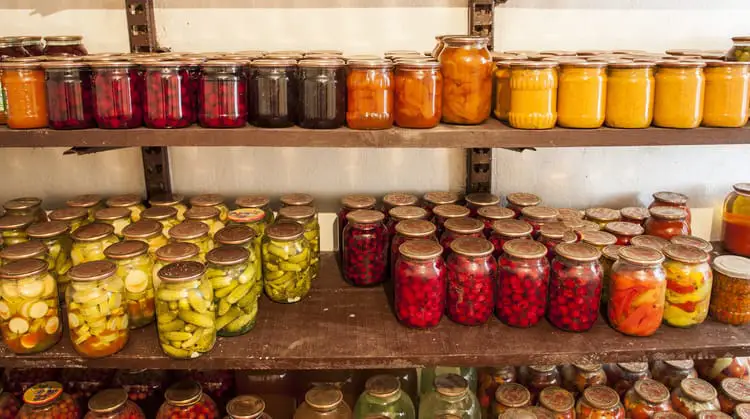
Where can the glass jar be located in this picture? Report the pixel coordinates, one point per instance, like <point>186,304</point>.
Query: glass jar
<point>208,216</point>
<point>135,267</point>
<point>733,391</point>
<point>97,315</point>
<point>13,228</point>
<point>693,241</point>
<point>646,398</point>
<point>64,45</point>
<point>167,98</point>
<point>430,200</point>
<point>445,212</point>
<point>716,370</point>
<point>623,231</point>
<point>32,45</point>
<point>471,272</point>
<point>272,92</point>
<point>148,231</point>
<point>694,396</point>
<point>222,94</point>
<point>742,411</point>
<point>211,200</point>
<point>257,201</point>
<point>730,298</point>
<point>679,94</point>
<point>505,230</point>
<point>520,200</point>
<point>402,213</point>
<point>166,216</point>
<point>26,206</point>
<point>489,380</point>
<point>459,227</point>
<point>667,222</point>
<point>342,380</point>
<point>29,309</point>
<point>735,232</point>
<point>689,281</point>
<point>501,90</point>
<point>602,216</point>
<point>194,232</point>
<point>451,395</point>
<point>538,377</point>
<point>635,215</point>
<point>17,380</point>
<point>307,217</point>
<point>429,374</point>
<point>630,94</point>
<point>132,202</point>
<point>247,407</point>
<point>575,287</point>
<point>185,400</point>
<point>558,401</point>
<point>383,396</point>
<point>69,96</point>
<point>185,311</point>
<point>599,402</point>
<point>467,68</point>
<point>488,215</point>
<point>408,230</point>
<point>623,375</point>
<point>25,93</point>
<point>522,281</point>
<point>533,99</point>
<point>537,217</point>
<point>45,400</point>
<point>653,242</point>
<point>9,405</point>
<point>32,249</point>
<point>552,234</point>
<point>509,396</point>
<point>420,284</point>
<point>118,87</point>
<point>323,402</point>
<point>610,255</point>
<point>322,93</point>
<point>119,218</point>
<point>370,87</point>
<point>418,94</point>
<point>144,387</point>
<point>287,263</point>
<point>171,253</point>
<point>275,387</point>
<point>90,241</point>
<point>365,248</point>
<point>671,373</point>
<point>170,200</point>
<point>113,404</point>
<point>740,51</point>
<point>671,199</point>
<point>55,236</point>
<point>579,377</point>
<point>237,286</point>
<point>726,96</point>
<point>82,383</point>
<point>297,200</point>
<point>636,291</point>
<point>351,203</point>
<point>477,200</point>
<point>241,236</point>
<point>90,202</point>
<point>582,94</point>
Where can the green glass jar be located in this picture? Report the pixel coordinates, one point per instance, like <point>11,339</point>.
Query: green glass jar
<point>135,267</point>
<point>383,397</point>
<point>175,201</point>
<point>26,206</point>
<point>166,216</point>
<point>235,283</point>
<point>132,202</point>
<point>207,215</point>
<point>90,241</point>
<point>451,395</point>
<point>245,237</point>
<point>13,228</point>
<point>211,200</point>
<point>194,232</point>
<point>73,217</point>
<point>261,202</point>
<point>171,253</point>
<point>148,231</point>
<point>119,218</point>
<point>185,311</point>
<point>286,263</point>
<point>55,235</point>
<point>307,217</point>
<point>90,202</point>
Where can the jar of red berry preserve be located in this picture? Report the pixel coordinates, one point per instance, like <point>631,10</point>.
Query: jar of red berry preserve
<point>522,281</point>
<point>505,230</point>
<point>476,200</point>
<point>420,284</point>
<point>113,404</point>
<point>69,98</point>
<point>222,94</point>
<point>471,272</point>
<point>322,93</point>
<point>459,227</point>
<point>9,405</point>
<point>409,230</point>
<point>520,200</point>
<point>399,199</point>
<point>667,222</point>
<point>186,400</point>
<point>167,102</point>
<point>351,203</point>
<point>398,214</point>
<point>64,45</point>
<point>365,242</point>
<point>602,216</point>
<point>671,199</point>
<point>552,234</point>
<point>635,215</point>
<point>442,213</point>
<point>598,239</point>
<point>538,216</point>
<point>272,93</point>
<point>623,231</point>
<point>47,400</point>
<point>489,215</point>
<point>575,287</point>
<point>432,199</point>
<point>117,88</point>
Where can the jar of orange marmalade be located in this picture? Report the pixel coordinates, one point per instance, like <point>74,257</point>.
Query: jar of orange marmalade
<point>466,65</point>
<point>678,101</point>
<point>582,94</point>
<point>370,89</point>
<point>533,99</point>
<point>727,93</point>
<point>419,94</point>
<point>26,94</point>
<point>630,94</point>
<point>501,90</point>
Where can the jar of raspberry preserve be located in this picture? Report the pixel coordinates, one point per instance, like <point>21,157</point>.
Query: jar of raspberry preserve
<point>113,404</point>
<point>432,199</point>
<point>365,243</point>
<point>598,239</point>
<point>398,214</point>
<point>505,230</point>
<point>510,395</point>
<point>272,92</point>
<point>520,200</point>
<point>442,213</point>
<point>647,240</point>
<point>623,231</point>
<point>186,400</point>
<point>222,94</point>
<point>489,215</point>
<point>351,203</point>
<point>646,398</point>
<point>538,377</point>
<point>602,216</point>
<point>459,227</point>
<point>64,45</point>
<point>167,98</point>
<point>694,396</point>
<point>47,400</point>
<point>671,373</point>
<point>600,402</point>
<point>667,222</point>
<point>69,96</point>
<point>578,377</point>
<point>471,272</point>
<point>420,284</point>
<point>322,94</point>
<point>732,392</point>
<point>409,230</point>
<point>552,234</point>
<point>671,199</point>
<point>144,387</point>
<point>575,287</point>
<point>522,281</point>
<point>476,200</point>
<point>623,375</point>
<point>635,215</point>
<point>118,90</point>
<point>538,216</point>
<point>560,402</point>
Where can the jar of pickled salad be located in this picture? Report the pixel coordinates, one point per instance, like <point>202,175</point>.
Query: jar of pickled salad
<point>505,230</point>
<point>679,94</point>
<point>501,90</point>
<point>552,234</point>
<point>582,94</point>
<point>135,267</point>
<point>733,391</point>
<point>646,398</point>
<point>667,222</point>
<point>257,201</point>
<point>467,67</point>
<point>533,98</point>
<point>119,218</point>
<point>623,231</point>
<point>206,215</point>
<point>90,241</point>
<point>558,401</point>
<point>237,287</point>
<point>118,89</point>
<point>166,216</point>
<point>272,93</point>
<point>286,262</point>
<point>171,253</point>
<point>25,92</point>
<point>578,377</point>
<point>522,281</point>
<point>26,206</point>
<point>489,215</point>
<point>113,404</point>
<point>186,399</point>
<point>420,284</point>
<point>90,202</point>
<point>452,395</point>
<point>671,373</point>
<point>383,396</point>
<point>430,200</point>
<point>54,235</point>
<point>694,396</point>
<point>322,93</point>
<point>222,94</point>
<point>168,99</point>
<point>735,231</point>
<point>132,202</point>
<point>73,217</point>
<point>509,396</point>
<point>459,227</point>
<point>630,94</point>
<point>194,232</point>
<point>370,86</point>
<point>45,400</point>
<point>408,230</point>
<point>727,93</point>
<point>471,271</point>
<point>323,402</point>
<point>689,281</point>
<point>297,200</point>
<point>520,200</point>
<point>477,200</point>
<point>635,215</point>
<point>575,287</point>
<point>599,402</point>
<point>365,248</point>
<point>538,216</point>
<point>170,200</point>
<point>97,315</point>
<point>307,217</point>
<point>418,94</point>
<point>623,375</point>
<point>730,297</point>
<point>716,370</point>
<point>149,231</point>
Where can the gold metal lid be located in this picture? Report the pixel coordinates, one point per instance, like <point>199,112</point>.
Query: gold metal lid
<point>472,246</point>
<point>24,203</point>
<point>84,201</point>
<point>450,385</point>
<point>465,40</point>
<point>183,393</point>
<point>227,255</point>
<point>588,367</point>
<point>92,271</point>
<point>494,212</point>
<point>358,201</point>
<point>14,222</point>
<point>400,199</point>
<point>451,211</point>
<point>464,225</point>
<point>601,397</point>
<point>556,399</point>
<point>512,395</point>
<point>598,238</point>
<point>742,411</point>
<point>482,199</point>
<point>297,213</point>
<point>415,228</point>
<point>540,213</point>
<point>421,249</point>
<point>252,201</point>
<point>512,228</point>
<point>324,397</point>
<point>22,62</point>
<point>175,252</point>
<point>602,214</point>
<point>408,212</point>
<point>634,367</point>
<point>93,232</point>
<point>382,386</point>
<point>297,199</point>
<point>142,229</point>
<point>202,213</point>
<point>126,200</point>
<point>418,63</point>
<point>653,242</point>
<point>365,216</point>
<point>42,393</point>
<point>166,200</point>
<point>285,231</point>
<point>524,249</point>
<point>612,252</point>
<point>47,229</point>
<point>63,38</point>
<point>553,230</point>
<point>687,63</point>
<point>716,60</point>
<point>126,249</point>
<point>24,250</point>
<point>523,199</point>
<point>446,197</point>
<point>736,388</point>
<point>580,252</point>
<point>587,225</point>
<point>246,215</point>
<point>246,407</point>
<point>623,228</point>
<point>110,214</point>
<point>635,213</point>
<point>236,234</point>
<point>670,197</point>
<point>189,229</point>
<point>685,254</point>
<point>324,51</point>
<point>23,268</point>
<point>698,389</point>
<point>651,390</point>
<point>181,272</point>
<point>68,214</point>
<point>206,200</point>
<point>108,400</point>
<point>533,64</point>
<point>159,213</point>
<point>592,52</point>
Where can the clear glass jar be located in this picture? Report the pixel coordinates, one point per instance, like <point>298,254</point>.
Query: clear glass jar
<point>552,234</point>
<point>32,249</point>
<point>451,395</point>
<point>533,99</point>
<point>599,402</point>
<point>522,282</point>
<point>185,311</point>
<point>55,235</point>
<point>445,212</point>
<point>694,396</point>
<point>148,231</point>
<point>489,215</point>
<point>419,94</point>
<point>297,200</point>
<point>689,281</point>
<point>409,230</point>
<point>45,400</point>
<point>64,45</point>
<point>97,315</point>
<point>185,400</point>
<point>730,297</point>
<point>430,200</point>
<point>25,92</point>
<point>287,263</point>
<point>259,202</point>
<point>167,98</point>
<point>398,214</point>
<point>90,202</point>
<point>679,95</point>
<point>490,379</point>
<point>222,94</point>
<point>207,215</point>
<point>119,218</point>
<point>646,398</point>
<point>602,216</point>
<point>505,230</point>
<point>70,100</point>
<point>501,90</point>
<point>31,44</point>
<point>324,402</point>
<point>558,401</point>
<point>538,377</point>
<point>342,380</point>
<point>623,231</point>
<point>582,94</point>
<point>727,94</point>
<point>132,202</point>
<point>13,228</point>
<point>733,391</point>
<point>247,407</point>
<point>579,377</point>
<point>27,283</point>
<point>420,284</point>
<point>735,232</point>
<point>742,411</point>
<point>520,200</point>
<point>538,216</point>
<point>307,217</point>
<point>351,203</point>
<point>194,232</point>
<point>477,200</point>
<point>575,287</point>
<point>272,91</point>
<point>467,68</point>
<point>144,387</point>
<point>135,266</point>
<point>630,94</point>
<point>471,271</point>
<point>636,291</point>
<point>716,370</point>
<point>635,215</point>
<point>671,199</point>
<point>671,373</point>
<point>243,236</point>
<point>322,93</point>
<point>113,404</point>
<point>166,216</point>
<point>365,248</point>
<point>237,287</point>
<point>667,222</point>
<point>383,396</point>
<point>90,241</point>
<point>459,227</point>
<point>370,86</point>
<point>170,200</point>
<point>509,396</point>
<point>211,200</point>
<point>740,51</point>
<point>26,206</point>
<point>118,86</point>
<point>429,374</point>
<point>623,375</point>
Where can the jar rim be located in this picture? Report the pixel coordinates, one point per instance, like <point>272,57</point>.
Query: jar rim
<point>92,232</point>
<point>126,249</point>
<point>92,271</point>
<point>733,266</point>
<point>407,212</point>
<point>523,199</point>
<point>47,229</point>
<point>421,249</point>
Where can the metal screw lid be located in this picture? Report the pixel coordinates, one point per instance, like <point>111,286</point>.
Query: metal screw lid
<point>689,241</point>
<point>110,214</point>
<point>126,249</point>
<point>587,225</point>
<point>23,268</point>
<point>183,393</point>
<point>324,398</point>
<point>93,232</point>
<point>227,255</point>
<point>482,199</point>
<point>451,211</point>
<point>670,197</point>
<point>698,389</point>
<point>512,395</point>
<point>641,255</point>
<point>651,390</point>
<point>166,200</point>
<point>634,367</point>
<point>623,228</point>
<point>415,228</point>
<point>554,230</point>
<point>742,411</point>
<point>681,364</point>
<point>13,222</point>
<point>24,250</point>
<point>175,252</point>
<point>365,217</point>
<point>297,212</point>
<point>496,213</point>
<point>635,213</point>
<point>236,234</point>
<point>67,214</point>
<point>542,368</point>
<point>246,215</point>
<point>441,198</point>
<point>182,271</point>
<point>556,399</point>
<point>407,212</point>
<point>383,386</point>
<point>523,199</point>
<point>189,229</point>
<point>524,249</point>
<point>451,385</point>
<point>252,201</point>
<point>126,200</point>
<point>202,213</point>
<point>598,238</point>
<point>47,229</point>
<point>588,367</point>
<point>358,201</point>
<point>540,213</point>
<point>566,213</point>
<point>143,229</point>
<point>472,246</point>
<point>512,228</point>
<point>108,400</point>
<point>159,213</point>
<point>421,249</point>
<point>285,231</point>
<point>22,203</point>
<point>206,200</point>
<point>580,252</point>
<point>246,407</point>
<point>296,199</point>
<point>84,201</point>
<point>685,254</point>
<point>42,393</point>
<point>400,199</point>
<point>541,412</point>
<point>668,213</point>
<point>92,271</point>
<point>653,242</point>
<point>742,188</point>
<point>601,397</point>
<point>602,214</point>
<point>464,225</point>
<point>736,388</point>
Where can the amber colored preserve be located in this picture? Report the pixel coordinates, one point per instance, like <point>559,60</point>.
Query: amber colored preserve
<point>467,66</point>
<point>726,98</point>
<point>419,94</point>
<point>25,90</point>
<point>501,78</point>
<point>735,233</point>
<point>582,94</point>
<point>630,95</point>
<point>370,94</point>
<point>533,94</point>
<point>680,89</point>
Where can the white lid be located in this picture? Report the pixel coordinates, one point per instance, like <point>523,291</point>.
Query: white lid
<point>734,266</point>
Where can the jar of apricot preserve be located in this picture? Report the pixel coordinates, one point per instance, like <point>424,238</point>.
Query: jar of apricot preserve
<point>489,215</point>
<point>623,375</point>
<point>117,87</point>
<point>694,396</point>
<point>538,216</point>
<point>506,230</point>
<point>64,45</point>
<point>370,87</point>
<point>322,94</point>
<point>735,232</point>
<point>477,200</point>
<point>460,227</point>
<point>522,282</point>
<point>600,402</point>
<point>630,94</point>
<point>730,298</point>
<point>520,200</point>
<point>501,90</point>
<point>575,287</point>
<point>727,93</point>
<point>467,66</point>
<point>25,92</point>
<point>365,243</point>
<point>646,398</point>
<point>167,98</point>
<point>680,89</point>
<point>420,284</point>
<point>582,94</point>
<point>272,93</point>
<point>533,99</point>
<point>419,94</point>
<point>671,373</point>
<point>667,222</point>
<point>222,94</point>
<point>69,95</point>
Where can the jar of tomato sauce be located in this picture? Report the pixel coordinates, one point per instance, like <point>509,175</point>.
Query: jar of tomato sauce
<point>467,66</point>
<point>506,230</point>
<point>370,101</point>
<point>727,93</point>
<point>419,94</point>
<point>581,94</point>
<point>646,398</point>
<point>667,222</point>
<point>680,89</point>
<point>671,199</point>
<point>623,231</point>
<point>520,200</point>
<point>25,91</point>
<point>630,94</point>
<point>599,402</point>
<point>730,298</point>
<point>735,232</point>
<point>533,99</point>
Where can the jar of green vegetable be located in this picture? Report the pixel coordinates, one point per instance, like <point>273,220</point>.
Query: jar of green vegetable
<point>211,200</point>
<point>286,263</point>
<point>148,231</point>
<point>236,286</point>
<point>90,241</point>
<point>245,237</point>
<point>383,397</point>
<point>740,50</point>
<point>135,267</point>
<point>207,215</point>
<point>196,232</point>
<point>171,253</point>
<point>26,206</point>
<point>90,202</point>
<point>13,228</point>
<point>307,217</point>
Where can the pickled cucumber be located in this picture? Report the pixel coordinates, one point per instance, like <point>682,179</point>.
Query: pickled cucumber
<point>186,319</point>
<point>137,274</point>
<point>205,244</point>
<point>287,269</point>
<point>232,284</point>
<point>97,316</point>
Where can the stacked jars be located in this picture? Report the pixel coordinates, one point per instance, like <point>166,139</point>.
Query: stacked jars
<point>408,230</point>
<point>575,287</point>
<point>351,203</point>
<point>322,94</point>
<point>420,284</point>
<point>523,278</point>
<point>646,398</point>
<point>365,243</point>
<point>370,88</point>
<point>466,66</point>
<point>471,272</point>
<point>117,89</point>
<point>168,100</point>
<point>307,217</point>
<point>488,215</point>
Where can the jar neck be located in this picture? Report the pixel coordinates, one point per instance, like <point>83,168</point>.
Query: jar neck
<point>644,72</point>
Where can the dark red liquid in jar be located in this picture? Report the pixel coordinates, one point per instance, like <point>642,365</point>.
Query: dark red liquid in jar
<point>522,290</point>
<point>471,288</point>
<point>574,294</point>
<point>70,101</point>
<point>365,258</point>
<point>322,97</point>
<point>273,96</point>
<point>168,102</point>
<point>420,291</point>
<point>117,97</point>
<point>222,97</point>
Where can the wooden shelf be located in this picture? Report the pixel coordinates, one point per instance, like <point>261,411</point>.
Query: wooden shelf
<point>490,134</point>
<point>339,326</point>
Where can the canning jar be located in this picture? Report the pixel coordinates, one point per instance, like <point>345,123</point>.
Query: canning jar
<point>26,206</point>
<point>623,375</point>
<point>132,202</point>
<point>740,51</point>
<point>689,281</point>
<point>324,402</point>
<point>537,217</point>
<point>135,267</point>
<point>208,216</point>
<point>646,398</point>
<point>635,215</point>
<point>533,98</point>
<point>509,396</point>
<point>418,94</point>
<point>119,218</point>
<point>623,231</point>
<point>667,222</point>
<point>186,314</point>
<point>451,395</point>
<point>730,297</point>
<point>222,94</point>
<point>90,241</point>
<point>247,407</point>
<point>716,370</point>
<point>402,213</point>
<point>558,401</point>
<point>602,216</point>
<point>459,227</point>
<point>609,257</point>
<point>64,45</point>
<point>671,373</point>
<point>552,234</point>
<point>148,231</point>
<point>186,399</point>
<point>477,200</point>
<point>501,90</point>
<point>307,217</point>
<point>322,93</point>
<point>211,200</point>
<point>383,396</point>
<point>733,391</point>
<point>680,89</point>
<point>170,253</point>
<point>9,405</point>
<point>726,97</point>
<point>118,90</point>
<point>471,272</point>
<point>630,94</point>
<point>408,230</point>
<point>82,383</point>
<point>742,411</point>
<point>297,200</point>
<point>113,404</point>
<point>490,379</point>
<point>351,203</point>
<point>194,232</point>
<point>13,228</point>
<point>575,287</point>
<point>370,87</point>
<point>90,202</point>
<point>430,200</point>
<point>166,216</point>
<point>488,215</point>
<point>72,217</point>
<point>636,291</point>
<point>46,400</point>
<point>237,286</point>
<point>96,329</point>
<point>257,201</point>
<point>170,200</point>
<point>693,241</point>
<point>578,377</point>
<point>582,94</point>
<point>505,230</point>
<point>32,45</point>
<point>647,240</point>
<point>522,281</point>
<point>735,232</point>
<point>54,235</point>
<point>145,387</point>
<point>365,248</point>
<point>168,101</point>
<point>272,93</point>
<point>70,100</point>
<point>445,212</point>
<point>429,374</point>
<point>670,199</point>
<point>520,200</point>
<point>599,402</point>
<point>25,93</point>
<point>467,67</point>
<point>420,284</point>
<point>538,377</point>
<point>32,249</point>
<point>694,396</point>
<point>286,263</point>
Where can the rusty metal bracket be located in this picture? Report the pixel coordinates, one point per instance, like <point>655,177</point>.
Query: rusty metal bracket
<point>156,171</point>
<point>141,25</point>
<point>478,170</point>
<point>481,19</point>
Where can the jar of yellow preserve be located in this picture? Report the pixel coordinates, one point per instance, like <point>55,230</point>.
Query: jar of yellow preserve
<point>726,98</point>
<point>630,94</point>
<point>678,101</point>
<point>501,90</point>
<point>582,94</point>
<point>533,94</point>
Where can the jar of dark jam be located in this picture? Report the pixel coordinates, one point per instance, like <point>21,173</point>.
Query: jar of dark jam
<point>272,88</point>
<point>322,94</point>
<point>70,102</point>
<point>32,44</point>
<point>64,45</point>
<point>222,95</point>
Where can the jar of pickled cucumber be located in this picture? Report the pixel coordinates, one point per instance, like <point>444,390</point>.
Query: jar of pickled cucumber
<point>307,217</point>
<point>257,201</point>
<point>255,219</point>
<point>194,232</point>
<point>54,235</point>
<point>47,400</point>
<point>119,218</point>
<point>175,201</point>
<point>73,217</point>
<point>132,202</point>
<point>166,216</point>
<point>90,241</point>
<point>211,200</point>
<point>26,206</point>
<point>207,215</point>
<point>186,399</point>
<point>32,249</point>
<point>97,316</point>
<point>185,310</point>
<point>13,228</point>
<point>237,286</point>
<point>89,202</point>
<point>171,253</point>
<point>286,263</point>
<point>135,267</point>
<point>383,396</point>
<point>148,231</point>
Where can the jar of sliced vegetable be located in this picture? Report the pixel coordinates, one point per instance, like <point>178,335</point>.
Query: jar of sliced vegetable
<point>135,267</point>
<point>237,286</point>
<point>286,263</point>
